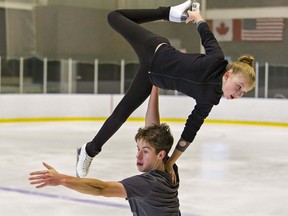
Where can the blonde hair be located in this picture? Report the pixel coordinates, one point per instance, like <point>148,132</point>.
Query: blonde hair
<point>245,66</point>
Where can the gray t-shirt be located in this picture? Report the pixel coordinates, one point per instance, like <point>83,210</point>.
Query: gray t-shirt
<point>152,194</point>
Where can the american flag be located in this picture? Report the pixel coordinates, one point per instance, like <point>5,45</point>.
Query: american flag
<point>262,29</point>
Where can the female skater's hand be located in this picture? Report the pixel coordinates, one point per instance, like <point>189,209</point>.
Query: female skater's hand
<point>49,177</point>
<point>170,170</point>
<point>194,16</point>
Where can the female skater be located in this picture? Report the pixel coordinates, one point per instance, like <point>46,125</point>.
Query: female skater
<point>204,77</point>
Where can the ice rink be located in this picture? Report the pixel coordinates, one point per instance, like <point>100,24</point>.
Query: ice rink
<point>229,170</point>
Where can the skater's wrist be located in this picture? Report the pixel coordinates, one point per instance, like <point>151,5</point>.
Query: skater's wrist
<point>199,22</point>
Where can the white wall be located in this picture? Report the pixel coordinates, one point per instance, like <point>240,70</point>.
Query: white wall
<point>98,106</point>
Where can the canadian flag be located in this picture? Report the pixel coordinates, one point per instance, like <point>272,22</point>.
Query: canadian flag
<point>225,29</point>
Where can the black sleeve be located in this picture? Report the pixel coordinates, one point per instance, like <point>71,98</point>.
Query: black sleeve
<point>209,41</point>
<point>195,121</point>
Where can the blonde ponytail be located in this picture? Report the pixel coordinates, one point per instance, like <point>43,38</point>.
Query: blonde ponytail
<point>247,59</point>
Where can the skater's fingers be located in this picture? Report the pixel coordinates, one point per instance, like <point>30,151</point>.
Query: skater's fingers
<point>39,176</point>
<point>39,184</point>
<point>39,172</point>
<point>32,182</point>
<point>47,165</point>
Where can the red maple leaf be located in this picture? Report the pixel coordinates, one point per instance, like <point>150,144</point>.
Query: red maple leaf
<point>222,29</point>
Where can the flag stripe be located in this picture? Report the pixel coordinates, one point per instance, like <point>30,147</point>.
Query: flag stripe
<point>262,32</point>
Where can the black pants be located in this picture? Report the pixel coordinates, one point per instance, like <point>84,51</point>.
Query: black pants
<point>144,42</point>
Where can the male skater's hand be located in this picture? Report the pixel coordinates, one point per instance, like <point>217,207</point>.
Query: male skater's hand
<point>194,16</point>
<point>49,177</point>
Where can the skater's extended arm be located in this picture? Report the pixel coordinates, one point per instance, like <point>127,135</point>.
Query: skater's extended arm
<point>208,39</point>
<point>152,114</point>
<point>51,177</point>
<point>174,157</point>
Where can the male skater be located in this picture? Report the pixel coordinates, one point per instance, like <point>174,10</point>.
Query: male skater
<point>151,193</point>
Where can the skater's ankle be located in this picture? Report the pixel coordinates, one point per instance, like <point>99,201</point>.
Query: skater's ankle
<point>89,150</point>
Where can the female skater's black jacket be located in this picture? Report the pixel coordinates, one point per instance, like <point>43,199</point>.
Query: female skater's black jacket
<point>196,75</point>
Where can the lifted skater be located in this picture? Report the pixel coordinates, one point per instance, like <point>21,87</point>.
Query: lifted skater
<point>204,77</point>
